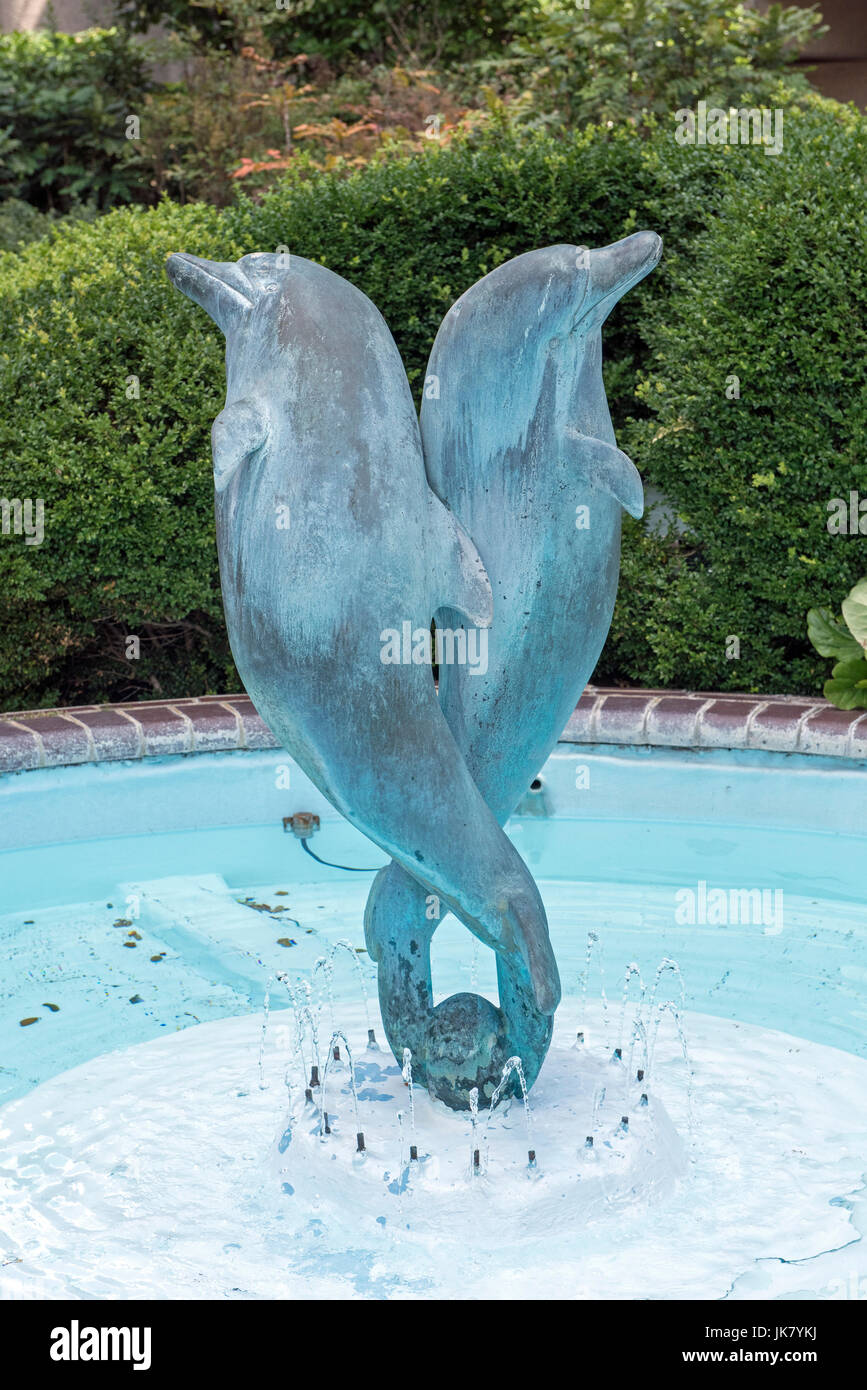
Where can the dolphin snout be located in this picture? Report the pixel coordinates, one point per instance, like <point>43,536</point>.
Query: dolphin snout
<point>615,269</point>
<point>219,287</point>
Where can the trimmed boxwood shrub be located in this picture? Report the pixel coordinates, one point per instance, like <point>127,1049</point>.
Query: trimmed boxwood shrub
<point>771,300</point>
<point>91,319</point>
<point>415,233</point>
<point>126,480</point>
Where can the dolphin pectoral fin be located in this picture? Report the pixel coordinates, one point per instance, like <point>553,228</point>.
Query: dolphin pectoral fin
<point>239,430</point>
<point>461,578</point>
<point>609,468</point>
<point>219,287</point>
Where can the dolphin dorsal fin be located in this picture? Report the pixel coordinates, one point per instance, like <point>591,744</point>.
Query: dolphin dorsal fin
<point>461,580</point>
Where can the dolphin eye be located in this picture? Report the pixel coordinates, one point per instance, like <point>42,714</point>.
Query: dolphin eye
<point>238,432</point>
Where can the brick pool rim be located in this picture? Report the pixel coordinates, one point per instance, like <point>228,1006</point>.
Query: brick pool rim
<point>80,734</point>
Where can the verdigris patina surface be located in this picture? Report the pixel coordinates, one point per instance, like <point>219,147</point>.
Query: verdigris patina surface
<point>331,535</point>
<point>518,443</point>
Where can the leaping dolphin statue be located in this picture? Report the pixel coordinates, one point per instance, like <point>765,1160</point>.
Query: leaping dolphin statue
<point>328,536</point>
<point>519,444</point>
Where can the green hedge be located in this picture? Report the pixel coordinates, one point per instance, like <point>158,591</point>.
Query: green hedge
<point>762,277</point>
<point>773,292</point>
<point>126,482</point>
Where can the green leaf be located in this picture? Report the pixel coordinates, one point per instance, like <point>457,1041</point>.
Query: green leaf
<point>829,636</point>
<point>847,688</point>
<point>855,612</point>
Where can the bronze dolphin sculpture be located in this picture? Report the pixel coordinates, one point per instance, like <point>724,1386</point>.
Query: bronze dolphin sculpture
<point>328,537</point>
<point>519,444</point>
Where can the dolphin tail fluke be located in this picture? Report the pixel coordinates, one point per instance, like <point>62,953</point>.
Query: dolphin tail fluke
<point>466,1040</point>
<point>609,468</point>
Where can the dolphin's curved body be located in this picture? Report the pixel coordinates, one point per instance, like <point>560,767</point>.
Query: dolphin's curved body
<point>519,444</point>
<point>329,537</point>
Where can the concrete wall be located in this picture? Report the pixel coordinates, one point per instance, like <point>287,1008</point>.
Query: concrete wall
<point>839,60</point>
<point>69,15</point>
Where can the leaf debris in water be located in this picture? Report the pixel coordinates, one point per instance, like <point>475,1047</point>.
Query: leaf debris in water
<point>25,1021</point>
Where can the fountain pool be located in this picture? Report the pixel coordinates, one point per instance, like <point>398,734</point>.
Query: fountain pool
<point>155,1136</point>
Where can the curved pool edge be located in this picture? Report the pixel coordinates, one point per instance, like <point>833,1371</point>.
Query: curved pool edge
<point>34,739</point>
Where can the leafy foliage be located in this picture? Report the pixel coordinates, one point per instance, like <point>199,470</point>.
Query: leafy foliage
<point>20,223</point>
<point>126,482</point>
<point>627,60</point>
<point>64,100</point>
<point>847,688</point>
<point>251,117</point>
<point>762,277</point>
<point>342,31</point>
<point>855,613</point>
<point>830,636</point>
<point>772,293</point>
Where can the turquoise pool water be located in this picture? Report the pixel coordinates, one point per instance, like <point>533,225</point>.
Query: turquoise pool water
<point>630,844</point>
<point>155,1136</point>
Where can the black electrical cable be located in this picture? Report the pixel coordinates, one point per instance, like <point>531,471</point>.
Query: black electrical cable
<point>350,869</point>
